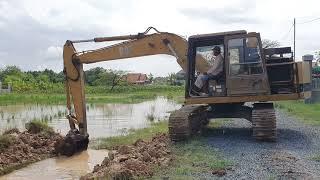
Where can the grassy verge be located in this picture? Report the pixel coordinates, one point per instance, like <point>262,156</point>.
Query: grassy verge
<point>131,137</point>
<point>127,94</point>
<point>315,157</point>
<point>307,113</point>
<point>13,98</point>
<point>192,159</point>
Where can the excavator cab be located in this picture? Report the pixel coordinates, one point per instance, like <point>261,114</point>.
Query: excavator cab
<point>244,71</point>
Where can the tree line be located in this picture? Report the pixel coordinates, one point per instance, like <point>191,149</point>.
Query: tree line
<point>50,81</point>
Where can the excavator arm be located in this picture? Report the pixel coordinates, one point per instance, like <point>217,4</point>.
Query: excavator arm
<point>142,44</point>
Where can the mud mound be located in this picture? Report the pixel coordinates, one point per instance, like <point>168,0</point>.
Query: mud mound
<point>129,161</point>
<point>25,148</point>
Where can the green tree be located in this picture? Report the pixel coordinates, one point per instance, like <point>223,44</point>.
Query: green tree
<point>172,78</point>
<point>317,54</point>
<point>150,77</point>
<point>93,74</point>
<point>116,77</point>
<point>9,70</point>
<point>267,43</point>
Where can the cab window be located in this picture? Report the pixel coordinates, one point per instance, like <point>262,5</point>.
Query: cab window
<point>206,53</point>
<point>244,56</point>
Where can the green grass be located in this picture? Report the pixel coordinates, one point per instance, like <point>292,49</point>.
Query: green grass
<point>5,141</point>
<point>123,94</point>
<point>315,157</point>
<point>131,137</point>
<point>307,113</point>
<point>38,126</point>
<point>14,98</point>
<point>192,159</point>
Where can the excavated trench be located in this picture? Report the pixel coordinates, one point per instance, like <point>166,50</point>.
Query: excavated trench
<point>113,119</point>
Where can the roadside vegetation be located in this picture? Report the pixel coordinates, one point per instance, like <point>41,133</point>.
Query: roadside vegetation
<point>307,113</point>
<point>191,159</point>
<point>131,137</point>
<point>38,126</point>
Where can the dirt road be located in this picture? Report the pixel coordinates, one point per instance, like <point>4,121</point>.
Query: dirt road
<point>288,158</point>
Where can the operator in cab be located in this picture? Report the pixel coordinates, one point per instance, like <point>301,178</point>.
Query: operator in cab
<point>214,73</point>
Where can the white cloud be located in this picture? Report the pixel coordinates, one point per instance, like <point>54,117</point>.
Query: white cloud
<point>54,52</point>
<point>32,32</point>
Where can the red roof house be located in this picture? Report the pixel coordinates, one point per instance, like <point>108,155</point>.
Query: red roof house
<point>136,78</point>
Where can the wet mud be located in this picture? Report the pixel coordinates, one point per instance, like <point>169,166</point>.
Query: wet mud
<point>136,160</point>
<point>25,148</point>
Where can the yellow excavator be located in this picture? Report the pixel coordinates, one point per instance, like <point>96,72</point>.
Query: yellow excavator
<point>252,79</point>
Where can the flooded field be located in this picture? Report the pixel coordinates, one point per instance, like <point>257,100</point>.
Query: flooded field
<point>103,119</point>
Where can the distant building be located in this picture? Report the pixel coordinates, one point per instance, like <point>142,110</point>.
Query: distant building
<point>136,78</point>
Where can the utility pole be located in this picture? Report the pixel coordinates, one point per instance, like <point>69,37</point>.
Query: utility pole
<point>294,39</point>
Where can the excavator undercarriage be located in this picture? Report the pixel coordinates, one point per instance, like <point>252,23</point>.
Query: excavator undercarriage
<point>191,119</point>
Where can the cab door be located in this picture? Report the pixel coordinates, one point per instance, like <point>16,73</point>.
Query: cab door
<point>245,67</point>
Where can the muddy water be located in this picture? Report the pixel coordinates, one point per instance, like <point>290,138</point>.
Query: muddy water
<point>60,168</point>
<point>103,119</point>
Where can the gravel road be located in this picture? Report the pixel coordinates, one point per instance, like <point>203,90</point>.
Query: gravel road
<point>288,158</point>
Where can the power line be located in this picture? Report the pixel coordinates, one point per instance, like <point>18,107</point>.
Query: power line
<point>286,35</point>
<point>309,21</point>
<point>294,39</point>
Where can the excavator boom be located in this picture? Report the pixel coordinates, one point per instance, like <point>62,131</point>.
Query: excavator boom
<point>141,44</point>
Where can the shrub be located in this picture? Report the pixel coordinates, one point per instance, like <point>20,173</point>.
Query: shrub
<point>37,126</point>
<point>5,141</point>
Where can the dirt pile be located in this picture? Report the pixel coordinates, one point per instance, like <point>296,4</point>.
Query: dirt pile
<point>25,147</point>
<point>136,160</point>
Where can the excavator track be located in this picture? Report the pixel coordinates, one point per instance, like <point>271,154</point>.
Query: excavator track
<point>187,121</point>
<point>264,122</point>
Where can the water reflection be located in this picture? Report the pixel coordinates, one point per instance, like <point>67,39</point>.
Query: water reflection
<point>103,119</point>
<point>60,168</point>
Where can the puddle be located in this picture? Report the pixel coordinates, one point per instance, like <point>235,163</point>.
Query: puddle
<point>60,168</point>
<point>103,119</point>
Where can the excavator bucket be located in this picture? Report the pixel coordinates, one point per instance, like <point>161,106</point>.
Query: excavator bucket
<point>72,143</point>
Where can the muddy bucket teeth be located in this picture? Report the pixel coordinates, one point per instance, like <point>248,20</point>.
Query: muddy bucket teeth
<point>72,143</point>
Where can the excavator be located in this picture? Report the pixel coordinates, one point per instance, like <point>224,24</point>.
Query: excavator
<point>252,79</point>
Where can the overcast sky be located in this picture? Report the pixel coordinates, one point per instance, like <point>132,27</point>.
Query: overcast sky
<point>32,32</point>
